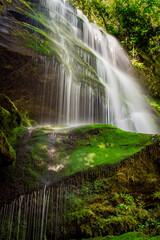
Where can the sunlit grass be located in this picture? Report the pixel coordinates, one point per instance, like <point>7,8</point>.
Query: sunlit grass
<point>102,144</point>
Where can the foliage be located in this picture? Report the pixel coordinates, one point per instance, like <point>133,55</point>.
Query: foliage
<point>135,22</point>
<point>116,204</point>
<point>101,207</point>
<point>155,103</point>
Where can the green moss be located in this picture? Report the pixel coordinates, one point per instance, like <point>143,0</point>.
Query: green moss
<point>10,119</point>
<point>16,135</point>
<point>34,42</point>
<point>7,153</point>
<point>5,117</point>
<point>101,208</point>
<point>10,112</point>
<point>11,129</point>
<point>38,152</point>
<point>131,236</point>
<point>27,122</point>
<point>95,145</point>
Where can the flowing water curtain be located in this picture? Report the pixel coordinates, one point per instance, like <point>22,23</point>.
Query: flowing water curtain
<point>93,84</point>
<point>39,215</point>
<point>79,92</point>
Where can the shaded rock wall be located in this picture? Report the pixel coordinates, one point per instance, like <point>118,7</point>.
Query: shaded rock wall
<point>22,67</point>
<point>22,79</point>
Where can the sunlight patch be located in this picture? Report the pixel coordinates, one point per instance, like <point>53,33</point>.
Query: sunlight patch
<point>89,159</point>
<point>101,145</point>
<point>56,168</point>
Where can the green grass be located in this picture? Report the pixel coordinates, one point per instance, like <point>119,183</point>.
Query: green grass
<point>102,144</point>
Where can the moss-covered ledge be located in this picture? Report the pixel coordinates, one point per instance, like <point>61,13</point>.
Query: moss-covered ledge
<point>99,144</point>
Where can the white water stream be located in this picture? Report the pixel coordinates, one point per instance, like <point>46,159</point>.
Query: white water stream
<point>86,53</point>
<point>94,85</point>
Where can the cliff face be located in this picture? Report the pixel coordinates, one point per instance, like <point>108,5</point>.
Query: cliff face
<point>22,56</point>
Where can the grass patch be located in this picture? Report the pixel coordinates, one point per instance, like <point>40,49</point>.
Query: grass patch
<point>94,145</point>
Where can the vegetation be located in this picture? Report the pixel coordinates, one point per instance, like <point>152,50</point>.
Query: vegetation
<point>93,145</point>
<point>129,236</point>
<point>155,103</point>
<point>111,206</point>
<point>11,130</point>
<point>96,206</point>
<point>124,204</point>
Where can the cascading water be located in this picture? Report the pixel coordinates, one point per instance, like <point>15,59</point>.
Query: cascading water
<point>93,85</point>
<point>34,215</point>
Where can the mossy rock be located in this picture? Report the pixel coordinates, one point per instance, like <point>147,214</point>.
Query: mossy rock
<point>7,153</point>
<point>98,144</point>
<point>5,117</point>
<point>10,116</point>
<point>26,121</point>
<point>11,126</point>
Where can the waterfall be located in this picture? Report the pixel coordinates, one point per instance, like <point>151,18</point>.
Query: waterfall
<point>92,80</point>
